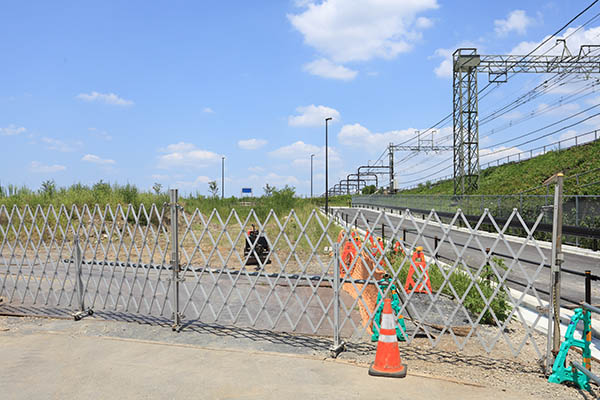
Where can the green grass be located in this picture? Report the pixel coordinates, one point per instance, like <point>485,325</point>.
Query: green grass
<point>515,177</point>
<point>300,227</point>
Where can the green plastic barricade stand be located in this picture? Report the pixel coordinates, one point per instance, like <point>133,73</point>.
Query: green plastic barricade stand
<point>383,284</point>
<point>562,373</point>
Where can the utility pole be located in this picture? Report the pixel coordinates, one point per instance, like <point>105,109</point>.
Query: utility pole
<point>311,175</point>
<point>326,167</point>
<point>222,178</point>
<point>391,160</point>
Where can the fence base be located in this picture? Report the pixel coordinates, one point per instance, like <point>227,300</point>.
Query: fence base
<point>336,350</point>
<point>82,314</point>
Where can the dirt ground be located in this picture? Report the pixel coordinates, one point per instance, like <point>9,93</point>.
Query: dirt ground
<point>499,368</point>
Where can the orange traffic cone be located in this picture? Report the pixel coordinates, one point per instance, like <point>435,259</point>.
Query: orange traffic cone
<point>387,359</point>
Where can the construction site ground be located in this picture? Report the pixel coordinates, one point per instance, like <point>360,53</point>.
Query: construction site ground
<point>135,358</point>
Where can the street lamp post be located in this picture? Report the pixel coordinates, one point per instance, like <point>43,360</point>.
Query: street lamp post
<point>222,178</point>
<point>311,175</point>
<point>326,167</point>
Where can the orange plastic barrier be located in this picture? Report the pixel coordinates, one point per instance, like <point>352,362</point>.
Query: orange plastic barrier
<point>418,259</point>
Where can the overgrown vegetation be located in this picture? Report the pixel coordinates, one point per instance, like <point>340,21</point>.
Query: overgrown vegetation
<point>460,280</point>
<point>515,177</point>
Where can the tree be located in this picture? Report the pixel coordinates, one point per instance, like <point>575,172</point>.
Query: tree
<point>370,189</point>
<point>269,190</point>
<point>48,187</point>
<point>213,188</point>
<point>157,187</point>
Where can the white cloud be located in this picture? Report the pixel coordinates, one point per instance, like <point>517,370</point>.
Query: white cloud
<point>515,114</point>
<point>313,116</point>
<point>276,179</point>
<point>444,69</point>
<point>185,155</point>
<point>487,155</point>
<point>59,145</point>
<point>208,110</point>
<point>108,98</point>
<point>360,30</point>
<point>298,155</point>
<point>571,133</point>
<point>575,39</point>
<point>295,150</point>
<point>12,130</point>
<point>564,109</point>
<point>200,180</point>
<point>326,69</point>
<point>37,166</point>
<point>516,21</point>
<point>97,160</point>
<point>356,135</point>
<point>272,179</point>
<point>251,144</point>
<point>101,134</point>
<point>423,23</point>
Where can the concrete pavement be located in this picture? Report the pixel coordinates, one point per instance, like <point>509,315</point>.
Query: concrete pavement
<point>63,360</point>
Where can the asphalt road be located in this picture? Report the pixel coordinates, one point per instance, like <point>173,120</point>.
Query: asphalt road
<point>523,261</point>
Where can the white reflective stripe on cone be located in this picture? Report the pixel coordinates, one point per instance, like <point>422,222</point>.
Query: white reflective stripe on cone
<point>387,321</point>
<point>388,338</point>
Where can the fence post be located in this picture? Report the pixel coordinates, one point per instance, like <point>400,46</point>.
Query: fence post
<point>521,204</point>
<point>175,259</point>
<point>383,233</point>
<point>557,258</point>
<point>338,346</point>
<point>436,241</point>
<point>81,311</point>
<point>588,286</point>
<point>577,216</point>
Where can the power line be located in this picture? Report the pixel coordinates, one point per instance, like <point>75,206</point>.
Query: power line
<point>542,128</point>
<point>546,135</point>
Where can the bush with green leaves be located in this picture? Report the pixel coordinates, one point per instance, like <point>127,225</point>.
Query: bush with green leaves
<point>474,300</point>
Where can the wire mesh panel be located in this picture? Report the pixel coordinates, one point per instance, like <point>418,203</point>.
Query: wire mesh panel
<point>450,278</point>
<point>123,253</point>
<point>269,272</point>
<point>290,273</point>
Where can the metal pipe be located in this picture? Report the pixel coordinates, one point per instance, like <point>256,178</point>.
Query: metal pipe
<point>589,307</point>
<point>326,166</point>
<point>222,177</point>
<point>311,175</point>
<point>175,260</point>
<point>588,286</point>
<point>581,368</point>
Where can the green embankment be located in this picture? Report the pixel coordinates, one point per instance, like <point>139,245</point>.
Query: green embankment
<point>515,177</point>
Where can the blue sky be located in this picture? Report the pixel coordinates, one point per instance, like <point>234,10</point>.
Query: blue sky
<point>142,92</point>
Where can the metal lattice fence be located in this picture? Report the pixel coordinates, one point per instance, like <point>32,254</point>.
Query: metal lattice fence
<point>301,272</point>
<point>580,211</point>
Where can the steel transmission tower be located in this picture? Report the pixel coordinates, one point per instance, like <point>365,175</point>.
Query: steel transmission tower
<point>467,63</point>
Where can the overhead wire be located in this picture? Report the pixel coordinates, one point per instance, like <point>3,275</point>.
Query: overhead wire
<point>480,92</point>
